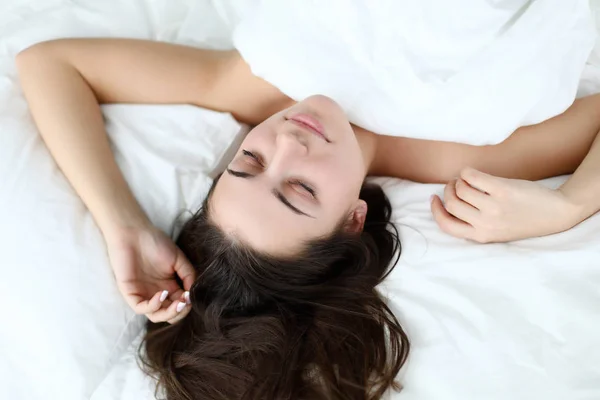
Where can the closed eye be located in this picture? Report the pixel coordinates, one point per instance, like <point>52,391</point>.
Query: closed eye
<point>254,156</point>
<point>258,160</point>
<point>305,187</point>
<point>275,192</point>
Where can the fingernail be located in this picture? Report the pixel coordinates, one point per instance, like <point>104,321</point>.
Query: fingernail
<point>186,296</point>
<point>431,198</point>
<point>164,295</point>
<point>180,306</point>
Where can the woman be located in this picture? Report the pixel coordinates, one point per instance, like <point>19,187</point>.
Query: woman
<point>287,250</point>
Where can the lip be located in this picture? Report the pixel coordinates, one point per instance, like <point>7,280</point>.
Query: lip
<point>309,123</point>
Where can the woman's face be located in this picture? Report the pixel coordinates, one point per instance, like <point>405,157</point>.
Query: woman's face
<point>295,177</point>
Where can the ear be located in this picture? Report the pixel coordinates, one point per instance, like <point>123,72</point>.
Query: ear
<point>356,219</point>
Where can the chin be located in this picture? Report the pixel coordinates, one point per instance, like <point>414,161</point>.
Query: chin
<point>323,101</point>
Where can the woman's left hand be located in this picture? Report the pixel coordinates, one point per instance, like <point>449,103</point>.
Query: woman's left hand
<point>485,208</point>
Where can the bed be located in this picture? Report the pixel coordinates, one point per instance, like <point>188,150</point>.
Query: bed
<point>498,321</point>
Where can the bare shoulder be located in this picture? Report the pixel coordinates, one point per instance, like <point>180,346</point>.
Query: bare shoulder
<point>248,97</point>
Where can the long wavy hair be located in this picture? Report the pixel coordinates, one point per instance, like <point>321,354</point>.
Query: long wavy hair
<point>308,327</point>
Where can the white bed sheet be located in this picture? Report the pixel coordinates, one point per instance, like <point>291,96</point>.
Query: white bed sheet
<point>503,321</point>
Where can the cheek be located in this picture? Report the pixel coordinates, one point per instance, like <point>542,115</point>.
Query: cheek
<point>342,175</point>
<point>349,163</point>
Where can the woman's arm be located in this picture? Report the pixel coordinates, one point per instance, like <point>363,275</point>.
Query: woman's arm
<point>65,80</point>
<point>488,208</point>
<point>554,147</point>
<point>583,187</point>
<point>510,206</point>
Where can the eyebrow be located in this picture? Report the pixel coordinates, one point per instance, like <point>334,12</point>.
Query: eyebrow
<point>275,192</point>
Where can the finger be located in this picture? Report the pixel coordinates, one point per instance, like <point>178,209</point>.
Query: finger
<point>177,294</point>
<point>141,306</point>
<point>469,194</point>
<point>169,313</point>
<point>448,223</point>
<point>480,180</point>
<point>185,270</point>
<point>458,207</point>
<point>181,315</point>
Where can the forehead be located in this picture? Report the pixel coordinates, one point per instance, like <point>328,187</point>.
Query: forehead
<point>246,210</point>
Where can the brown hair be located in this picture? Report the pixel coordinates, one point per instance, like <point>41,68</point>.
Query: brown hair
<point>308,327</point>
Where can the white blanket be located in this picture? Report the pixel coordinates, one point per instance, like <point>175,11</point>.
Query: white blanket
<point>468,71</point>
<point>515,321</point>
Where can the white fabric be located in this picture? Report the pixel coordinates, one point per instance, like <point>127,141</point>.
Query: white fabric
<point>65,323</point>
<point>515,321</point>
<point>466,71</point>
<point>65,326</point>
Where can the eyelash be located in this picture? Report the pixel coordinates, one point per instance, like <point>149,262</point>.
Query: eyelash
<point>295,182</point>
<point>305,187</point>
<point>253,156</point>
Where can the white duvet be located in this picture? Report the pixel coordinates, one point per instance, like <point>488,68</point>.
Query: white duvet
<point>469,71</point>
<point>492,322</point>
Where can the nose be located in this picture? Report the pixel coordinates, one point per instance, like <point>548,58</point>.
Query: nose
<point>290,147</point>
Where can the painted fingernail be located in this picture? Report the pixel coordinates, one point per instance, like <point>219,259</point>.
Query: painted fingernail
<point>163,295</point>
<point>180,306</point>
<point>186,296</point>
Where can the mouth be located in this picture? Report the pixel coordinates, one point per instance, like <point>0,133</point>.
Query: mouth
<point>309,123</point>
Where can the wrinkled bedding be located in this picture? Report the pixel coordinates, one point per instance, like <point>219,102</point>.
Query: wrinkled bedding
<point>515,321</point>
<point>466,71</point>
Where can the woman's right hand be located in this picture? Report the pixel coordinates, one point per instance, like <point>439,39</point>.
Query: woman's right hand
<point>145,262</point>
